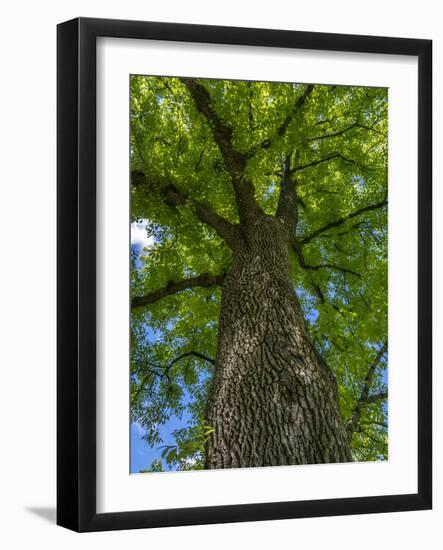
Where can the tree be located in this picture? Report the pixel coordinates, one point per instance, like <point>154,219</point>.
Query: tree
<point>259,312</point>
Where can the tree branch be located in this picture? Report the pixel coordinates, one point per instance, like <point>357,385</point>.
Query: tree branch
<point>356,124</point>
<point>377,397</point>
<point>234,161</point>
<point>173,197</point>
<point>281,130</point>
<point>319,292</point>
<point>297,246</point>
<point>329,157</point>
<point>344,219</point>
<point>366,399</point>
<point>287,210</point>
<point>202,281</point>
<point>205,214</point>
<point>333,134</point>
<point>371,437</point>
<point>346,231</point>
<point>369,422</point>
<point>163,371</point>
<point>334,267</point>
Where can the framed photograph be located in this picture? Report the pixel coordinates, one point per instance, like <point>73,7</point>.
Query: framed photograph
<point>244,274</point>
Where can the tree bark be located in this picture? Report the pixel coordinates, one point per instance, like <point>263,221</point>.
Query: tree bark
<point>273,400</point>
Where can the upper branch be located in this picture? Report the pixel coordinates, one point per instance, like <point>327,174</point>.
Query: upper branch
<point>281,130</point>
<point>340,221</point>
<point>365,399</point>
<point>329,157</point>
<point>336,133</point>
<point>234,161</point>
<point>225,229</point>
<point>377,397</point>
<point>162,372</point>
<point>173,197</point>
<point>287,210</point>
<point>205,280</point>
<point>333,134</point>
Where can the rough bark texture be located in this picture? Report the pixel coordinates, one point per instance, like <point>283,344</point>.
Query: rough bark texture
<point>273,401</point>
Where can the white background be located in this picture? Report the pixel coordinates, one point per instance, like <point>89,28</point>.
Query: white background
<point>117,490</point>
<point>27,217</point>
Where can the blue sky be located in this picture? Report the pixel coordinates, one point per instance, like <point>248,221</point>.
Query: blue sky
<point>141,454</point>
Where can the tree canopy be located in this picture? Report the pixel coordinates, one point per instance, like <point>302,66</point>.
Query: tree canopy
<point>332,140</point>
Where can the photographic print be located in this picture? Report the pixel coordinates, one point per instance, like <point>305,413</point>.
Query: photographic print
<point>258,259</point>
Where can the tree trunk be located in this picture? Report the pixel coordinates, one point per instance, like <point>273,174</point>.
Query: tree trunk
<point>273,400</point>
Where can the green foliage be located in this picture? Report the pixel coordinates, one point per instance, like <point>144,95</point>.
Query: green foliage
<point>188,453</point>
<point>156,466</point>
<point>345,307</point>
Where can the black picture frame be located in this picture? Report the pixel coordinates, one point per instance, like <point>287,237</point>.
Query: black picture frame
<point>76,295</point>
